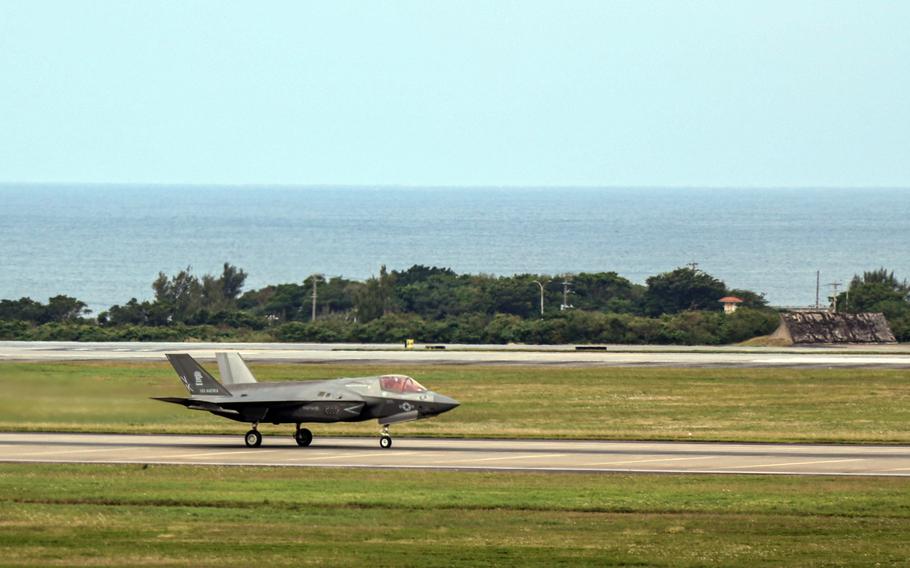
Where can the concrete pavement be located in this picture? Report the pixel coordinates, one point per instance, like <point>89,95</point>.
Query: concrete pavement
<point>461,454</point>
<point>614,355</point>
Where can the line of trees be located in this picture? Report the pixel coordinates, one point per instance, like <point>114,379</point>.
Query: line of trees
<point>437,293</point>
<point>424,302</point>
<point>435,304</point>
<point>58,309</point>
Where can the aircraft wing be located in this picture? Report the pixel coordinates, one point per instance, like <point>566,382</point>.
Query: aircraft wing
<point>174,399</point>
<point>230,403</point>
<point>258,409</point>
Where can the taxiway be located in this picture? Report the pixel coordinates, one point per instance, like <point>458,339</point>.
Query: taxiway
<point>613,355</point>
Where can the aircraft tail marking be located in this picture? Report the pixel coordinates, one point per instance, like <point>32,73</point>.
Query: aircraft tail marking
<point>197,380</point>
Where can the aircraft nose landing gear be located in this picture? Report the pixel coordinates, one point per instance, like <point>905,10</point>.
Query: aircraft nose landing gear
<point>253,438</point>
<point>385,440</point>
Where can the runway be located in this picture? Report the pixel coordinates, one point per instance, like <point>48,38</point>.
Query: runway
<point>896,356</point>
<point>461,454</point>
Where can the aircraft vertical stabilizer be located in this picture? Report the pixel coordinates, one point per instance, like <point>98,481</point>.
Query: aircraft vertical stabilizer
<point>196,379</point>
<point>233,370</point>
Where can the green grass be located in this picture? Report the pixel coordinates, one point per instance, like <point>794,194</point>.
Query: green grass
<point>761,404</point>
<point>170,515</point>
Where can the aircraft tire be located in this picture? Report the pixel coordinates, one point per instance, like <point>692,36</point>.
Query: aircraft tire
<point>253,439</point>
<point>385,442</point>
<point>304,437</point>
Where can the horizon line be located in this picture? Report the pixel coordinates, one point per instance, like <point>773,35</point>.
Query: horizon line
<point>254,185</point>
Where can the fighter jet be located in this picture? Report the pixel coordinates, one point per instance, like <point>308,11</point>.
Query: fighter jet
<point>389,399</point>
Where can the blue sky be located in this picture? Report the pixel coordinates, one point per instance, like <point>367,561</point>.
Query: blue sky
<point>673,93</point>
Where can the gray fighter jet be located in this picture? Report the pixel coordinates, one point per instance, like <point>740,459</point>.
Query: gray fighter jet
<point>388,398</point>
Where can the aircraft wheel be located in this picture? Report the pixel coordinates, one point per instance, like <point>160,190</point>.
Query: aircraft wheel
<point>253,439</point>
<point>385,442</point>
<point>304,437</point>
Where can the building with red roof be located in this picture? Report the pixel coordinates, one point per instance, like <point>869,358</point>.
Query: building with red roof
<point>730,303</point>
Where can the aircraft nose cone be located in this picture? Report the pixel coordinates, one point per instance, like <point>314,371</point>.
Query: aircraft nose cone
<point>445,403</point>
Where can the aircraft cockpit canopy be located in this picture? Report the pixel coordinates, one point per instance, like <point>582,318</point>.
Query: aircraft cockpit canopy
<point>400,384</point>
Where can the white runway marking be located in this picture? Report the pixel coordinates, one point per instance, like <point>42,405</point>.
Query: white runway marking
<point>225,453</point>
<point>837,360</point>
<point>62,451</point>
<point>470,460</point>
<point>651,460</point>
<point>351,456</point>
<point>790,463</point>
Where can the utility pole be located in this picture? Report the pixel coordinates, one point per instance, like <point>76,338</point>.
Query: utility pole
<point>834,285</point>
<point>693,266</point>
<point>565,295</point>
<point>541,294</point>
<point>315,278</point>
<point>818,275</point>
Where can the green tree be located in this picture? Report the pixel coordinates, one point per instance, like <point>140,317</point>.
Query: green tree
<point>872,290</point>
<point>746,323</point>
<point>420,273</point>
<point>683,289</point>
<point>287,301</point>
<point>191,299</point>
<point>231,282</point>
<point>220,293</point>
<point>336,295</point>
<point>63,308</point>
<point>605,291</point>
<point>136,313</point>
<point>180,294</point>
<point>880,291</point>
<point>368,301</point>
<point>515,295</point>
<point>377,297</point>
<point>60,308</point>
<point>23,309</point>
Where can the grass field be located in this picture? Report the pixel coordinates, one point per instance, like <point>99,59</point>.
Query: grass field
<point>89,515</point>
<point>824,405</point>
<point>170,515</point>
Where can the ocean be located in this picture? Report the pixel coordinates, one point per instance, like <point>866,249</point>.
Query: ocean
<point>106,244</point>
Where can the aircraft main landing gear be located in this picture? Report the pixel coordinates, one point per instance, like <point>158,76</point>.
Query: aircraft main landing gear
<point>253,438</point>
<point>385,441</point>
<point>303,436</point>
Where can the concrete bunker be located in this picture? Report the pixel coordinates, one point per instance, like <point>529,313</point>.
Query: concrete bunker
<point>822,327</point>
